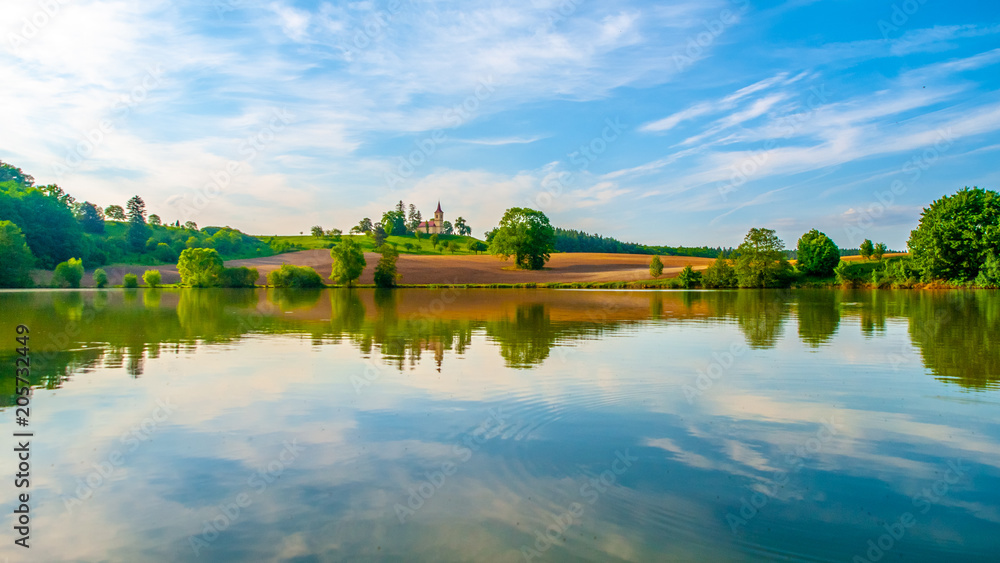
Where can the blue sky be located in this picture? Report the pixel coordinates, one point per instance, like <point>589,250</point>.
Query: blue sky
<point>655,122</point>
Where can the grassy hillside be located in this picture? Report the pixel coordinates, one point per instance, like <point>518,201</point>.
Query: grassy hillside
<point>421,246</point>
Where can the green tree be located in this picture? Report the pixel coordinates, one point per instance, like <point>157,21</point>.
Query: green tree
<point>348,262</point>
<point>720,274</point>
<point>435,238</point>
<point>49,225</point>
<point>879,251</point>
<point>989,274</point>
<point>289,275</point>
<point>760,261</point>
<point>385,271</point>
<point>130,281</point>
<point>462,228</point>
<point>477,246</point>
<point>656,267</point>
<point>379,235</point>
<point>688,277</point>
<point>15,256</point>
<point>154,220</point>
<point>394,222</point>
<point>100,278</point>
<point>200,267</point>
<point>115,213</point>
<point>152,278</point>
<point>138,232</point>
<point>10,173</point>
<point>239,277</point>
<point>817,254</point>
<point>317,231</point>
<point>68,273</point>
<point>191,225</point>
<point>866,249</point>
<point>956,234</point>
<point>91,218</point>
<point>164,253</point>
<point>447,229</point>
<point>526,235</point>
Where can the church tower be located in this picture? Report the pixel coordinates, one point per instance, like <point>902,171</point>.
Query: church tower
<point>439,216</point>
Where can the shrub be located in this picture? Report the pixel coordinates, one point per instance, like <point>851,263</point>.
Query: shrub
<point>100,278</point>
<point>68,273</point>
<point>688,277</point>
<point>294,276</point>
<point>238,277</point>
<point>817,254</point>
<point>656,267</point>
<point>152,278</point>
<point>130,281</point>
<point>720,274</point>
<point>200,267</point>
<point>164,253</point>
<point>385,270</point>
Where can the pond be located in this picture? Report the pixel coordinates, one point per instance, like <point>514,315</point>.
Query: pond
<point>506,425</point>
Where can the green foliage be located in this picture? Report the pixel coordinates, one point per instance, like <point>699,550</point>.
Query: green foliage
<point>866,249</point>
<point>130,281</point>
<point>526,235</point>
<point>317,231</point>
<point>91,218</point>
<point>848,274</point>
<point>385,270</point>
<point>348,262</point>
<point>68,273</point>
<point>688,277</point>
<point>289,275</point>
<point>48,223</point>
<point>989,274</point>
<point>154,220</point>
<point>10,173</point>
<point>435,238</point>
<point>879,251</point>
<point>379,235</point>
<point>477,246</point>
<point>393,223</point>
<point>817,254</point>
<point>239,277</point>
<point>152,278</point>
<point>165,253</point>
<point>720,274</point>
<point>115,213</point>
<point>462,228</point>
<point>760,261</point>
<point>200,267</point>
<point>656,267</point>
<point>446,228</point>
<point>956,234</point>
<point>15,256</point>
<point>100,278</point>
<point>138,232</point>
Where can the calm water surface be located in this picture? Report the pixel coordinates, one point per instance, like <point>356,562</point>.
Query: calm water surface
<point>507,425</point>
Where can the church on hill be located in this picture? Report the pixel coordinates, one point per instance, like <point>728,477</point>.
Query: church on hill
<point>436,225</point>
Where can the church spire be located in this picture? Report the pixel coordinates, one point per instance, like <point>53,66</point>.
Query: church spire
<point>439,207</point>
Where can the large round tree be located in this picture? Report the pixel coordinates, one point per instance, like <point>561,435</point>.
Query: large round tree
<point>15,257</point>
<point>526,235</point>
<point>956,234</point>
<point>817,254</point>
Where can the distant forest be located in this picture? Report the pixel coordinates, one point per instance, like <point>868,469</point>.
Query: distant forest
<point>571,240</point>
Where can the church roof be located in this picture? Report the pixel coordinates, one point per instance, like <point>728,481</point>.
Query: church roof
<point>439,207</point>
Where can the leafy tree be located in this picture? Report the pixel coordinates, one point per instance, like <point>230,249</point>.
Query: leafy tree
<point>365,226</point>
<point>68,273</point>
<point>956,234</point>
<point>656,267</point>
<point>446,245</point>
<point>100,278</point>
<point>476,246</point>
<point>462,228</point>
<point>401,208</point>
<point>394,222</point>
<point>10,173</point>
<point>164,253</point>
<point>152,278</point>
<point>91,218</point>
<point>335,234</point>
<point>989,274</point>
<point>416,234</point>
<point>817,254</point>
<point>866,249</point>
<point>138,232</point>
<point>239,277</point>
<point>130,281</point>
<point>688,277</point>
<point>200,267</point>
<point>348,262</point>
<point>115,213</point>
<point>15,256</point>
<point>879,251</point>
<point>379,234</point>
<point>154,220</point>
<point>525,234</point>
<point>435,238</point>
<point>385,271</point>
<point>761,261</point>
<point>720,274</point>
<point>50,227</point>
<point>317,231</point>
<point>191,225</point>
<point>413,218</point>
<point>289,275</point>
<point>446,228</point>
